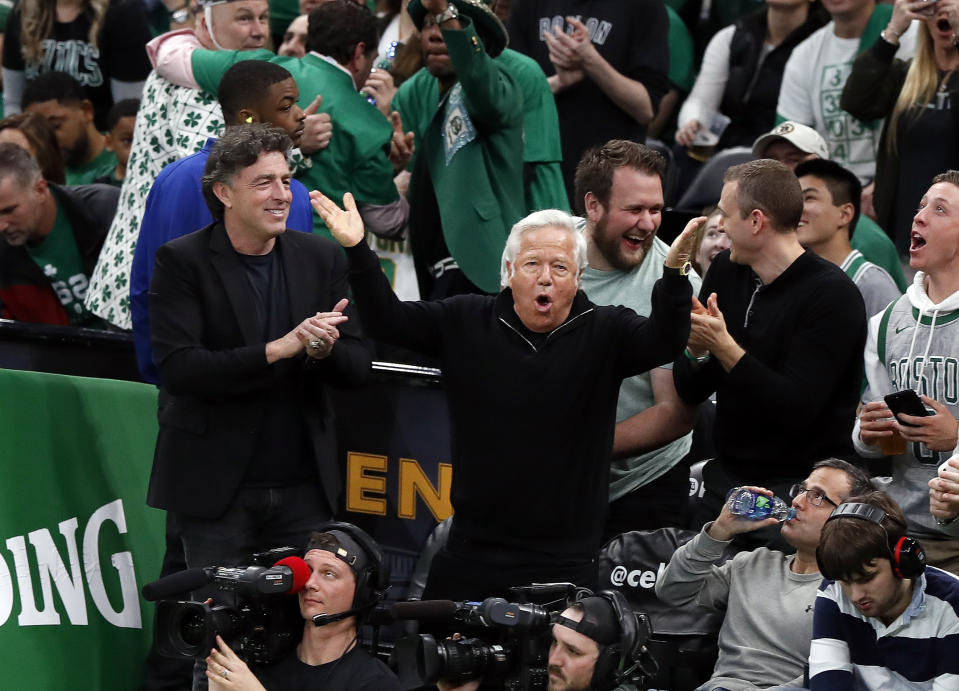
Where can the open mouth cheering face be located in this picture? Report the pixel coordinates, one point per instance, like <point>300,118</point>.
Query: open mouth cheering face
<point>934,238</point>
<point>544,277</point>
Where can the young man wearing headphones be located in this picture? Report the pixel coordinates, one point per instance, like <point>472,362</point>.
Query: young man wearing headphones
<point>882,616</point>
<point>347,578</point>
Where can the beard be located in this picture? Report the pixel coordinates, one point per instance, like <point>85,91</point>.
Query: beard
<point>564,684</point>
<point>77,156</point>
<point>611,247</point>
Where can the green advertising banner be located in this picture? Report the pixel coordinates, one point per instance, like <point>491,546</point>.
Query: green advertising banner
<point>77,540</point>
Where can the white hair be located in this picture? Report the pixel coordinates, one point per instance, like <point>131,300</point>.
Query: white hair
<point>547,218</point>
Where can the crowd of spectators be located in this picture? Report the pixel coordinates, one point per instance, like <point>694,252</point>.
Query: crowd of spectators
<point>431,135</point>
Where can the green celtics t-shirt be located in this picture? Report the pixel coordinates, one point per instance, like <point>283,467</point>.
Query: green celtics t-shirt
<point>60,261</point>
<point>102,165</point>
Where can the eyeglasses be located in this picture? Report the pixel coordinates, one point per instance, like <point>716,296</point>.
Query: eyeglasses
<point>814,496</point>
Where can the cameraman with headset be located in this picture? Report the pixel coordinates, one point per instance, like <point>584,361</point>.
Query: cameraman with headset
<point>597,643</point>
<point>347,579</point>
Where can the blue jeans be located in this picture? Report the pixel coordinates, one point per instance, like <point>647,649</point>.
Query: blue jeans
<point>259,518</point>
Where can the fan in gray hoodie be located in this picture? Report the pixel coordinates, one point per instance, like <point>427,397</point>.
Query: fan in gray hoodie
<point>914,344</point>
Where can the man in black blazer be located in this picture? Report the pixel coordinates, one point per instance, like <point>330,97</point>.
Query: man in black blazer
<point>248,326</point>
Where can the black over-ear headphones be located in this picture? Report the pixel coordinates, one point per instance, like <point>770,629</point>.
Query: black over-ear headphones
<point>617,661</point>
<point>373,578</point>
<point>906,555</point>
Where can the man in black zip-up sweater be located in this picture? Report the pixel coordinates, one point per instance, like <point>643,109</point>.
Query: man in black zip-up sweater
<point>532,377</point>
<point>781,346</point>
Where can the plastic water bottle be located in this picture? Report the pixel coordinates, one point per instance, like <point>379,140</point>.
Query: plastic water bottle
<point>757,507</point>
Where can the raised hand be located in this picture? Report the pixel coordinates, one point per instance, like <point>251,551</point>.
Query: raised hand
<point>402,147</point>
<point>573,51</point>
<point>317,128</point>
<point>345,224</point>
<point>728,525</point>
<point>685,243</point>
<point>381,87</point>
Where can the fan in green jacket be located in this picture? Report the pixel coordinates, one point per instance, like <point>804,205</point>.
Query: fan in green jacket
<point>466,188</point>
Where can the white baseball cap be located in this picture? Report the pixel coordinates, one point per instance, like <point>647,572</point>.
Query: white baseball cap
<point>804,138</point>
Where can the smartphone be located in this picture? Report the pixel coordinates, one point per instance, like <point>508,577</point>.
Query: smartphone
<point>907,402</point>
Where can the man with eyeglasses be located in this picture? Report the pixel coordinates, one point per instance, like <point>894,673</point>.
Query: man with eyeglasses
<point>767,596</point>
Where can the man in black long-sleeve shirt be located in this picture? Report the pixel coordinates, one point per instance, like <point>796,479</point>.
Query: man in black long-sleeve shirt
<point>607,63</point>
<point>532,377</point>
<point>781,344</point>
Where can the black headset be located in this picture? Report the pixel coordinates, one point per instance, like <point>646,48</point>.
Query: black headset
<point>906,555</point>
<point>372,580</point>
<point>618,661</point>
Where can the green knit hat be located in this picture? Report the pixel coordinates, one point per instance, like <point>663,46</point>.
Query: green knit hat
<point>488,25</point>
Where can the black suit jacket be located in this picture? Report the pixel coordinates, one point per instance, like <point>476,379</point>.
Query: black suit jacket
<point>213,370</point>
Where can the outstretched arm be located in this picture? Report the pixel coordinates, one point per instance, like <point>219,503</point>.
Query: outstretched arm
<point>492,97</point>
<point>414,325</point>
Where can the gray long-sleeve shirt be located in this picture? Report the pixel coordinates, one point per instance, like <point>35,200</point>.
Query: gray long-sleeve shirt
<point>764,639</point>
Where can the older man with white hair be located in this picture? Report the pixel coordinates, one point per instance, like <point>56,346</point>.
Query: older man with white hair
<point>532,376</point>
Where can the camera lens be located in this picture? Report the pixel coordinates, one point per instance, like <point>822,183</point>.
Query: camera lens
<point>467,659</point>
<point>192,629</point>
<point>189,628</point>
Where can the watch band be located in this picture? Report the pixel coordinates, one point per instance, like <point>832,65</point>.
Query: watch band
<point>943,522</point>
<point>682,270</point>
<point>697,359</point>
<point>449,13</point>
